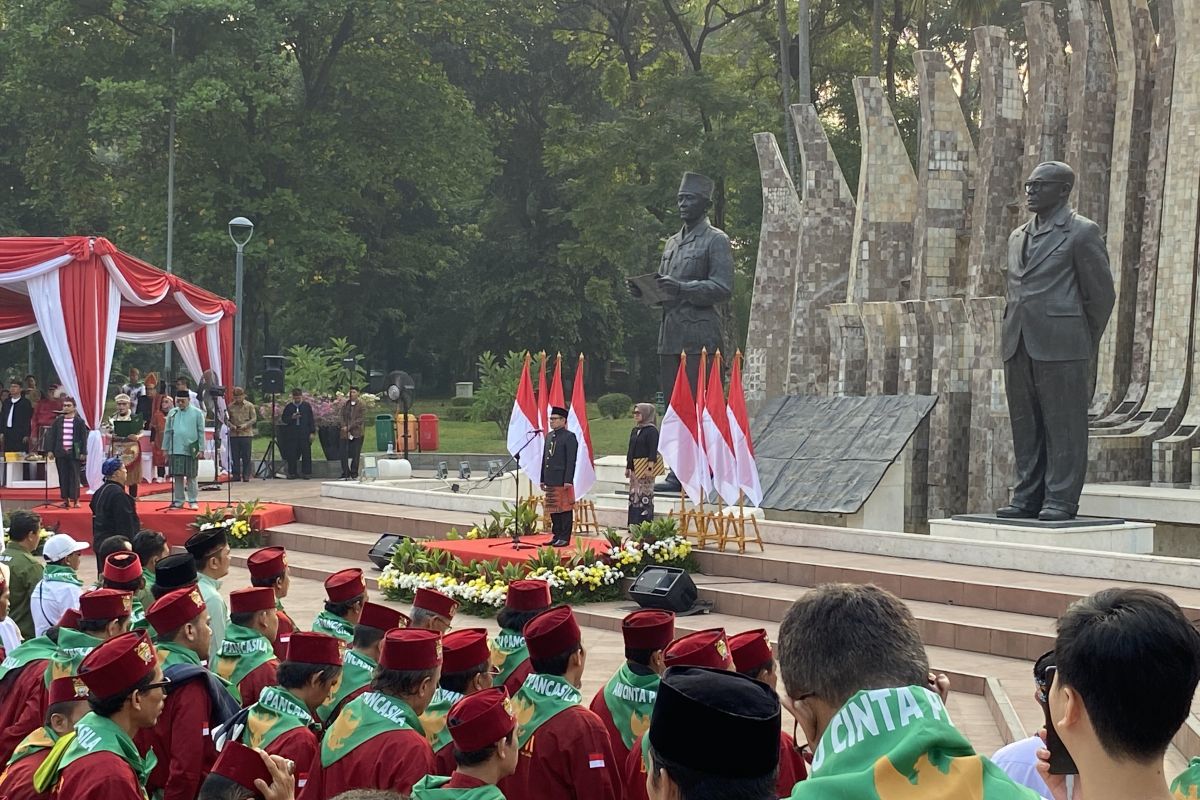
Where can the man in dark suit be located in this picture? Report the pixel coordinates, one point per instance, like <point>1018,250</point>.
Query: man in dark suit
<point>558,476</point>
<point>296,432</point>
<point>17,419</point>
<point>1060,294</point>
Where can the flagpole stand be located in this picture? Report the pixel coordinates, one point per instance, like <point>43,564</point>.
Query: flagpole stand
<point>585,518</point>
<point>737,524</point>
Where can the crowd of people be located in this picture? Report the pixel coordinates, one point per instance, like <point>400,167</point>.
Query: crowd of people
<point>157,681</point>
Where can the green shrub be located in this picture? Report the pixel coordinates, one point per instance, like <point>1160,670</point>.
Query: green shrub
<point>263,427</point>
<point>498,380</point>
<point>457,414</point>
<point>463,402</point>
<point>615,406</point>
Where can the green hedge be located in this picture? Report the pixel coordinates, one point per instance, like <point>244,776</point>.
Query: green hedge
<point>456,414</point>
<point>615,406</point>
<point>462,402</point>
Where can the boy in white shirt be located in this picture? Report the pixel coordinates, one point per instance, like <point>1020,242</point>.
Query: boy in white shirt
<point>60,586</point>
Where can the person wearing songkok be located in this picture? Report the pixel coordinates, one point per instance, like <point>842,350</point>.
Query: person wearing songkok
<point>197,704</point>
<point>565,750</point>
<point>126,446</point>
<point>60,586</point>
<point>1126,667</point>
<point>524,601</point>
<point>377,741</point>
<point>352,416</point>
<point>183,437</point>
<point>24,568</point>
<point>114,512</point>
<point>558,476</point>
<point>210,551</point>
<point>243,773</point>
<point>642,464</point>
<point>27,673</point>
<point>752,657</point>
<point>67,703</point>
<point>741,762</point>
<point>246,658</point>
<point>466,669</point>
<point>433,610</point>
<point>123,572</point>
<point>854,653</point>
<point>126,694</point>
<point>345,596</point>
<point>624,704</point>
<point>707,648</point>
<point>174,572</point>
<point>283,720</point>
<point>151,547</point>
<point>484,729</point>
<point>10,634</point>
<point>17,419</point>
<point>297,429</point>
<point>242,418</point>
<point>68,443</point>
<point>69,619</point>
<point>268,567</point>
<point>362,658</point>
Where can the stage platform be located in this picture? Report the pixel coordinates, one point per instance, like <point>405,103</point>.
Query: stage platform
<point>154,514</point>
<point>503,551</point>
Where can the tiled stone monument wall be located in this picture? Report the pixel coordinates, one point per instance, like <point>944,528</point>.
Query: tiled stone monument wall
<point>946,185</point>
<point>991,461</point>
<point>848,354</point>
<point>1001,138</point>
<point>950,421</point>
<point>1046,115</point>
<point>887,199</point>
<point>881,328</point>
<point>916,377</point>
<point>768,338</point>
<point>1091,104</point>
<point>825,241</point>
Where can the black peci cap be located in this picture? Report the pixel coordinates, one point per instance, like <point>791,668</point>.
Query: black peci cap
<point>202,543</point>
<point>175,571</point>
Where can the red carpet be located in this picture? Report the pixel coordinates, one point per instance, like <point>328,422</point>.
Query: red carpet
<point>502,550</point>
<point>153,515</point>
<point>37,494</point>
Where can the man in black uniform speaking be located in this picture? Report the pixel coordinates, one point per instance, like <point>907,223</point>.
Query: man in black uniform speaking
<point>558,475</point>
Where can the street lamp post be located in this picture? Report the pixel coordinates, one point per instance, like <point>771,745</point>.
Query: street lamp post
<point>240,231</point>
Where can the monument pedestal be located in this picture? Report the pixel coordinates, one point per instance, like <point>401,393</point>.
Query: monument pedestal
<point>1081,533</point>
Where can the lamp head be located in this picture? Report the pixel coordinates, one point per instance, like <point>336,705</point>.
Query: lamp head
<point>240,230</point>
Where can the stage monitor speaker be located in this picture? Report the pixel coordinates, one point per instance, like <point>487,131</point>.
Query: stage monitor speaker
<point>669,588</point>
<point>272,381</point>
<point>381,552</point>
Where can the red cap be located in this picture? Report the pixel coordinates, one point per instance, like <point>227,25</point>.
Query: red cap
<point>481,719</point>
<point>314,648</point>
<point>122,567</point>
<point>267,563</point>
<point>552,632</point>
<point>411,649</point>
<point>648,629</point>
<point>345,585</point>
<point>105,604</point>
<point>174,610</point>
<point>527,595</point>
<point>375,615</point>
<point>701,649</point>
<point>241,765</point>
<point>118,665</point>
<point>247,601</point>
<point>434,601</point>
<point>750,650</point>
<point>67,690</point>
<point>462,650</point>
<point>70,618</point>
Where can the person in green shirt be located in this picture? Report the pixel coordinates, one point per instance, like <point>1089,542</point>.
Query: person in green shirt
<point>345,597</point>
<point>210,550</point>
<point>151,547</point>
<point>484,730</point>
<point>24,569</point>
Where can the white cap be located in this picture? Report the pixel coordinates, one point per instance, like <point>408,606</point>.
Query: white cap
<point>60,545</point>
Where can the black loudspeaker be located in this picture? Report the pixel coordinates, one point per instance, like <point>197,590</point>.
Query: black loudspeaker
<point>272,381</point>
<point>381,551</point>
<point>668,588</point>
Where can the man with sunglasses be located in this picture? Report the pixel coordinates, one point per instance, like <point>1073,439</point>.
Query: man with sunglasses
<point>1060,295</point>
<point>558,475</point>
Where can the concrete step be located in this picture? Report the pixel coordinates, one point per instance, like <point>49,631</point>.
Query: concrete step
<point>381,518</point>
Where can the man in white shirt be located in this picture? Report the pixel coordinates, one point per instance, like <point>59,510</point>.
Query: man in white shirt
<point>60,586</point>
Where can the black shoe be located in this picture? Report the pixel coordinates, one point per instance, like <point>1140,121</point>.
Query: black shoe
<point>559,543</point>
<point>307,477</point>
<point>1015,512</point>
<point>1054,515</point>
<point>292,477</point>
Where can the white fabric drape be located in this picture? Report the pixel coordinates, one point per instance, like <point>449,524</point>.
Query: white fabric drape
<point>158,337</point>
<point>127,291</point>
<point>14,334</point>
<point>37,270</point>
<point>96,452</point>
<point>191,356</point>
<point>196,314</point>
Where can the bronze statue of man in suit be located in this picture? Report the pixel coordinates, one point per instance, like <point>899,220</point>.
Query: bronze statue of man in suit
<point>1060,294</point>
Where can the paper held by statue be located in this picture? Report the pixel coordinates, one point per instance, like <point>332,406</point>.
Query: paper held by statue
<point>559,499</point>
<point>648,285</point>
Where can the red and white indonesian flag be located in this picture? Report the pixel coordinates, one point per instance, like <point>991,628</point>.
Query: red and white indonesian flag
<point>556,393</point>
<point>525,437</point>
<point>718,441</point>
<point>739,428</point>
<point>679,440</point>
<point>577,423</point>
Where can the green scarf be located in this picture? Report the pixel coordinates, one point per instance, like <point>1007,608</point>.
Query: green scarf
<point>434,718</point>
<point>334,626</point>
<point>41,739</point>
<point>357,672</point>
<point>243,651</point>
<point>138,611</point>
<point>896,744</point>
<point>1187,784</point>
<point>94,734</point>
<point>276,712</point>
<point>57,573</point>
<point>630,698</point>
<point>430,788</point>
<point>508,652</point>
<point>73,647</point>
<point>171,653</point>
<point>363,718</point>
<point>32,650</point>
<point>539,699</point>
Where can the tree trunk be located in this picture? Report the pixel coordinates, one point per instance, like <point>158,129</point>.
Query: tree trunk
<point>968,88</point>
<point>785,82</point>
<point>803,46</point>
<point>899,18</point>
<point>876,33</point>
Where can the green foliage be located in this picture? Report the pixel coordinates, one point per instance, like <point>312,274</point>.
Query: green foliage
<point>464,402</point>
<point>615,406</point>
<point>498,380</point>
<point>322,370</point>
<point>457,414</point>
<point>654,530</point>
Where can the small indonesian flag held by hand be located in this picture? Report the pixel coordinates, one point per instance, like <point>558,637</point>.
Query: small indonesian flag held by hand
<point>679,441</point>
<point>739,428</point>
<point>595,760</point>
<point>525,438</point>
<point>577,423</point>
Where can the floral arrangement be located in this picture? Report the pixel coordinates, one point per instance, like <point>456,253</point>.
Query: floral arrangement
<point>237,522</point>
<point>327,408</point>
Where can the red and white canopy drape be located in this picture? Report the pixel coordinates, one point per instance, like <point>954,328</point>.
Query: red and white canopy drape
<point>82,294</point>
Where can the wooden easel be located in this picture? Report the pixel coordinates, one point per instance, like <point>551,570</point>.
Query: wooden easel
<point>585,518</point>
<point>734,528</point>
<point>696,523</point>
